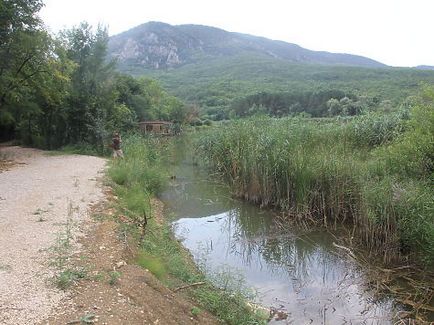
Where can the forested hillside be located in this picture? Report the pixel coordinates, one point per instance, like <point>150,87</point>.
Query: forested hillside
<point>226,75</point>
<point>58,90</point>
<point>219,86</point>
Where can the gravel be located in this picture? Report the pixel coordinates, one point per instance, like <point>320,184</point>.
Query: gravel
<point>37,198</point>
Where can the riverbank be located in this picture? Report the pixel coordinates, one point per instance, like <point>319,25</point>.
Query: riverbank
<point>373,173</point>
<point>89,266</point>
<point>136,179</point>
<point>112,288</point>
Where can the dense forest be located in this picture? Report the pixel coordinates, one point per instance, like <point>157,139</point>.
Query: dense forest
<point>246,85</point>
<point>58,90</point>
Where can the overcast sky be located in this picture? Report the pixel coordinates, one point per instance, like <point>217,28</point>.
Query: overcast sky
<point>395,32</point>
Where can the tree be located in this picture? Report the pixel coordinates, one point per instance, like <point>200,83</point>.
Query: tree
<point>24,48</point>
<point>92,95</point>
<point>334,107</point>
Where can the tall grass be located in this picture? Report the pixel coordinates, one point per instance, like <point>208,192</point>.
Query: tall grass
<point>374,173</point>
<point>139,176</point>
<point>141,166</point>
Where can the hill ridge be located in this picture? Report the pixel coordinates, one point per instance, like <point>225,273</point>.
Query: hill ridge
<point>156,45</point>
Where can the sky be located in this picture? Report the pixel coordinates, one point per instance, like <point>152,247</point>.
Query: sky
<point>394,32</point>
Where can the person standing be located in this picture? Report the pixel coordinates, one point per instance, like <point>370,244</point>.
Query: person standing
<point>116,145</point>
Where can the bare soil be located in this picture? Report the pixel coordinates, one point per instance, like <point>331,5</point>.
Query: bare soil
<point>136,297</point>
<point>38,195</point>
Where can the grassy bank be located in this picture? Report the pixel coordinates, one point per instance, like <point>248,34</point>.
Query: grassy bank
<point>374,172</point>
<point>137,178</point>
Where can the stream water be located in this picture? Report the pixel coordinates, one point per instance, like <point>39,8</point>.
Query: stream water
<point>298,272</point>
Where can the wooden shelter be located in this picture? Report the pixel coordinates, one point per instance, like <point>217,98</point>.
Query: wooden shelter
<point>156,127</point>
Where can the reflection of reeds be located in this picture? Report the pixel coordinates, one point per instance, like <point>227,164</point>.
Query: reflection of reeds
<point>325,171</point>
<point>259,241</point>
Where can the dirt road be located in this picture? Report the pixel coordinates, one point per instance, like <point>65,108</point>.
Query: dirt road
<point>38,195</point>
<point>44,198</point>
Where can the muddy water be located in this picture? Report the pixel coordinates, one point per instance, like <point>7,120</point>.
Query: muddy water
<point>298,272</point>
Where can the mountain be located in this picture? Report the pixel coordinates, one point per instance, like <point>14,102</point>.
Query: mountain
<point>212,69</point>
<point>159,46</point>
<point>425,67</point>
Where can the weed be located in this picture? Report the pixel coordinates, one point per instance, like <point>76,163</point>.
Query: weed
<point>88,319</point>
<point>99,277</point>
<point>195,311</point>
<point>39,211</point>
<point>67,277</point>
<point>114,277</point>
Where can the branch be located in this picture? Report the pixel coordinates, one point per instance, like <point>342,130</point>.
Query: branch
<point>349,251</point>
<point>27,59</point>
<point>188,286</point>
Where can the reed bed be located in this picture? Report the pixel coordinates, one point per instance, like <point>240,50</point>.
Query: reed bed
<point>355,172</point>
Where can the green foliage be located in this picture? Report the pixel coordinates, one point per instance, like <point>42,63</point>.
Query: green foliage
<point>27,53</point>
<point>413,152</point>
<point>141,167</point>
<point>217,84</point>
<point>148,100</point>
<point>374,171</point>
<point>68,277</point>
<point>377,129</point>
<point>151,263</point>
<point>63,90</point>
<point>142,172</point>
<point>22,48</point>
<point>315,103</point>
<point>195,311</point>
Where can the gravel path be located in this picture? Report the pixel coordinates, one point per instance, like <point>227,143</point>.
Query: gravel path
<point>37,198</point>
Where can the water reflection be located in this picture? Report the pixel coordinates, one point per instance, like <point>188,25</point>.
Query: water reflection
<point>299,275</point>
<point>295,272</point>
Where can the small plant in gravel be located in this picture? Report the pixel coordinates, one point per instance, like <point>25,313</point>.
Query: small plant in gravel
<point>100,276</point>
<point>65,275</point>
<point>39,211</point>
<point>41,219</point>
<point>114,277</point>
<point>69,276</point>
<point>195,311</point>
<point>88,319</point>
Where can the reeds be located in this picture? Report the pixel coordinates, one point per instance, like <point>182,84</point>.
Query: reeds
<point>331,171</point>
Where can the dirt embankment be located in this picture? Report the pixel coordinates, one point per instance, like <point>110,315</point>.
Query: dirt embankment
<point>44,202</point>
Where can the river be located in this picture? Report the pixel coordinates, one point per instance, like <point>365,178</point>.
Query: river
<point>298,272</point>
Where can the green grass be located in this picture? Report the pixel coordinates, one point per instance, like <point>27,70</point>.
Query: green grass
<point>167,259</point>
<point>136,178</point>
<point>374,172</point>
<point>69,276</point>
<point>152,264</point>
<point>114,277</point>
